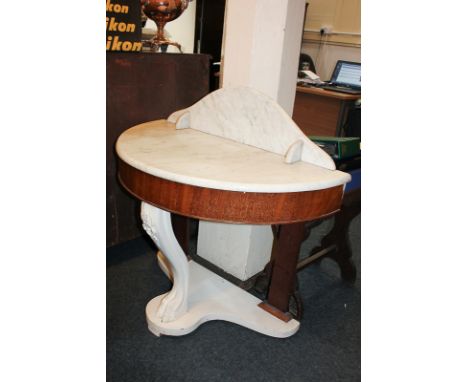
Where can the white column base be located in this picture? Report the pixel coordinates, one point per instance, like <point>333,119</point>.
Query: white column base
<point>239,249</point>
<point>210,297</point>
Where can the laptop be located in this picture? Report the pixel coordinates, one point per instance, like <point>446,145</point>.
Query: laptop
<point>346,78</point>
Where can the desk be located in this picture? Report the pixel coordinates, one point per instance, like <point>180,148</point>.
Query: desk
<point>322,112</point>
<point>191,164</point>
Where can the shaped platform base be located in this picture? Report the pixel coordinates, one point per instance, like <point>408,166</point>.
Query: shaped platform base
<point>210,297</point>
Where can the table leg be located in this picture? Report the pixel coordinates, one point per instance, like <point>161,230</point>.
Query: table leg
<point>285,254</point>
<point>157,223</point>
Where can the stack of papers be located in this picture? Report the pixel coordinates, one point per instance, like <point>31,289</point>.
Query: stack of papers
<point>309,77</point>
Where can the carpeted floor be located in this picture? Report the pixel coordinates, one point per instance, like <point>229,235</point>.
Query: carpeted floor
<point>326,347</point>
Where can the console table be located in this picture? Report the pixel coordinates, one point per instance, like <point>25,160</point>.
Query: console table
<point>236,157</point>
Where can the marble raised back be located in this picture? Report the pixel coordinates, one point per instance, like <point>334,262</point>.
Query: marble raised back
<point>247,116</point>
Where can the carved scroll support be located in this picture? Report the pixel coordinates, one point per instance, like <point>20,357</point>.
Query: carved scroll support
<point>157,223</point>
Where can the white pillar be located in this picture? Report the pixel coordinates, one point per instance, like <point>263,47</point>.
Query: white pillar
<point>261,47</point>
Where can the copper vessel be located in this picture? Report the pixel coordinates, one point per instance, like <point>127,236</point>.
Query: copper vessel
<point>161,12</point>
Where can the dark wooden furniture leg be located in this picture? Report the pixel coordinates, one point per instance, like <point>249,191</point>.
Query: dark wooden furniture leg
<point>338,237</point>
<point>181,227</point>
<point>285,254</point>
<point>345,108</point>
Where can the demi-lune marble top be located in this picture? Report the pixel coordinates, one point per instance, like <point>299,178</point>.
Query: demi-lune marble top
<point>233,139</point>
<point>192,157</point>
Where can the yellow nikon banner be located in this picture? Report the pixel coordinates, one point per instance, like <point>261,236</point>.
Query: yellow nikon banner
<point>123,26</point>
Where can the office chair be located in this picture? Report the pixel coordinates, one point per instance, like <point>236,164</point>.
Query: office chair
<point>352,126</point>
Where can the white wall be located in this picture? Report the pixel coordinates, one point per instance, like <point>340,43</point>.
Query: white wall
<point>342,18</point>
<point>325,56</point>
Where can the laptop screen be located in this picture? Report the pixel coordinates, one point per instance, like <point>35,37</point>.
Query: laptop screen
<point>347,73</point>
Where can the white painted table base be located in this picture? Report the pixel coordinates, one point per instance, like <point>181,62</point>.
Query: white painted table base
<point>199,295</point>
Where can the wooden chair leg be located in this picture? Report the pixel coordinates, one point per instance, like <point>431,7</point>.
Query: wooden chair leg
<point>338,237</point>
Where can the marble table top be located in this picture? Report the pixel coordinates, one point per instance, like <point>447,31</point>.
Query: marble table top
<point>197,158</point>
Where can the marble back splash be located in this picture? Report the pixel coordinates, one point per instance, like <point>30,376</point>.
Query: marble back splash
<point>247,116</point>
